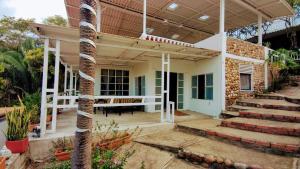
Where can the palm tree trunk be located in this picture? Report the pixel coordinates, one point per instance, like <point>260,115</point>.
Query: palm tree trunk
<point>82,154</point>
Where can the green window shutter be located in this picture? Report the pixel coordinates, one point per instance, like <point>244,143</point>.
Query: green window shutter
<point>194,87</point>
<point>143,81</point>
<point>209,87</point>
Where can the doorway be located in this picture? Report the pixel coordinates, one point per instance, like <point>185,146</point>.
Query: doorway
<point>173,89</point>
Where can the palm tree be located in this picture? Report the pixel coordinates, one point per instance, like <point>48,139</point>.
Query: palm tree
<point>82,154</point>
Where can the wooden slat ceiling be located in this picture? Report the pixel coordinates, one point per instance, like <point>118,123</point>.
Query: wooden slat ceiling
<point>124,17</point>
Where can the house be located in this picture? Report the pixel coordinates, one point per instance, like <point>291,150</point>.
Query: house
<point>180,45</point>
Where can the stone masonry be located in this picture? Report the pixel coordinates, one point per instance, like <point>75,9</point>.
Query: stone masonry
<point>245,49</point>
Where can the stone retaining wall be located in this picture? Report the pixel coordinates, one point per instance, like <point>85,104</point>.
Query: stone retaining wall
<point>233,91</point>
<point>246,49</point>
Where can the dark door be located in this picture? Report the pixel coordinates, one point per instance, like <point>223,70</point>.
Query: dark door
<point>173,89</point>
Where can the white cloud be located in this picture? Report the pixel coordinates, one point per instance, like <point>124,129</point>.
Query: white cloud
<point>38,9</point>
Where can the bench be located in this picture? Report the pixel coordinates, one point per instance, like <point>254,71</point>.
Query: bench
<point>120,109</point>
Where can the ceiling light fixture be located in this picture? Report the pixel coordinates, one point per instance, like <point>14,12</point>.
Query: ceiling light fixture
<point>203,17</point>
<point>149,30</point>
<point>173,6</point>
<point>175,36</point>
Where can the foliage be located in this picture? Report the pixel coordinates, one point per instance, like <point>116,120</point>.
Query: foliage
<point>60,165</point>
<point>13,32</point>
<point>17,124</point>
<point>55,20</point>
<point>32,104</point>
<point>281,62</point>
<point>63,144</point>
<point>109,159</point>
<point>101,158</point>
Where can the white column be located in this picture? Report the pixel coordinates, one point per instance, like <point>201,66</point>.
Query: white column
<point>56,80</point>
<point>259,30</point>
<point>223,53</point>
<point>75,83</point>
<point>162,87</point>
<point>145,18</point>
<point>71,81</point>
<point>43,116</point>
<point>168,88</point>
<point>98,17</point>
<point>266,68</point>
<point>65,81</point>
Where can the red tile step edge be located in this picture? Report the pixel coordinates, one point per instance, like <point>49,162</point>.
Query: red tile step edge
<point>274,117</point>
<point>262,129</point>
<point>286,148</point>
<point>264,146</point>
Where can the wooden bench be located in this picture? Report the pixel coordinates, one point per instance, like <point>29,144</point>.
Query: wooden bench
<point>120,109</point>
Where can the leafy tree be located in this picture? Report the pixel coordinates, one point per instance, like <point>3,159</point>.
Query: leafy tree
<point>55,20</point>
<point>13,32</point>
<point>281,63</point>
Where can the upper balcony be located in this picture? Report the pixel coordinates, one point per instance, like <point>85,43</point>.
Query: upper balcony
<point>187,21</point>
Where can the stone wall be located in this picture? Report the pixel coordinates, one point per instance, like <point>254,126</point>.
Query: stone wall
<point>233,81</point>
<point>243,48</point>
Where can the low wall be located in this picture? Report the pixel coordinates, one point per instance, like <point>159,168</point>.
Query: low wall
<point>246,49</point>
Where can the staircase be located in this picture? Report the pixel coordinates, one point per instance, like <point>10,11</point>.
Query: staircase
<point>260,133</point>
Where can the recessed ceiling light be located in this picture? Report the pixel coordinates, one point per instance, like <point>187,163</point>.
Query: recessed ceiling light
<point>149,30</point>
<point>203,17</point>
<point>173,6</point>
<point>175,36</point>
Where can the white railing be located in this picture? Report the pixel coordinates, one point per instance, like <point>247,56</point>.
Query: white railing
<point>145,100</point>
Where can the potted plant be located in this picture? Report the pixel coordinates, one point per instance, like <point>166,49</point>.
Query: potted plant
<point>109,137</point>
<point>2,162</point>
<point>32,106</point>
<point>62,148</point>
<point>17,130</point>
<point>34,117</point>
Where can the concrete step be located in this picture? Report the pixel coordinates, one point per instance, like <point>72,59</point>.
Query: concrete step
<point>269,96</point>
<point>269,104</point>
<point>263,126</point>
<point>275,96</point>
<point>271,114</point>
<point>237,108</point>
<point>282,145</point>
<point>212,153</point>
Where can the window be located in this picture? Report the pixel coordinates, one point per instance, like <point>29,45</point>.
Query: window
<point>202,87</point>
<point>245,81</point>
<point>140,89</point>
<point>114,82</point>
<point>246,77</point>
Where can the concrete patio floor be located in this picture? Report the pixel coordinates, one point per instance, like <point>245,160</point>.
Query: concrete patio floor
<point>66,122</point>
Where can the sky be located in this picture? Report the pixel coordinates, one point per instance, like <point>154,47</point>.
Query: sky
<point>37,9</point>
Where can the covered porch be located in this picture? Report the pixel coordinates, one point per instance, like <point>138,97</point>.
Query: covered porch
<point>127,69</point>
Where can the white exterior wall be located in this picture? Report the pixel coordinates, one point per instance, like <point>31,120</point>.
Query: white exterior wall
<point>209,107</point>
<point>213,43</point>
<point>188,68</point>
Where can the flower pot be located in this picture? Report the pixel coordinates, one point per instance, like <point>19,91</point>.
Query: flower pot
<point>31,127</point>
<point>62,155</point>
<point>2,162</point>
<point>18,146</point>
<point>116,142</point>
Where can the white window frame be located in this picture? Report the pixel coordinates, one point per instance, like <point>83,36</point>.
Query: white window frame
<point>115,81</point>
<point>205,86</point>
<point>251,76</point>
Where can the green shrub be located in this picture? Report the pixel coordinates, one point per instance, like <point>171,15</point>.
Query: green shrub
<point>32,104</point>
